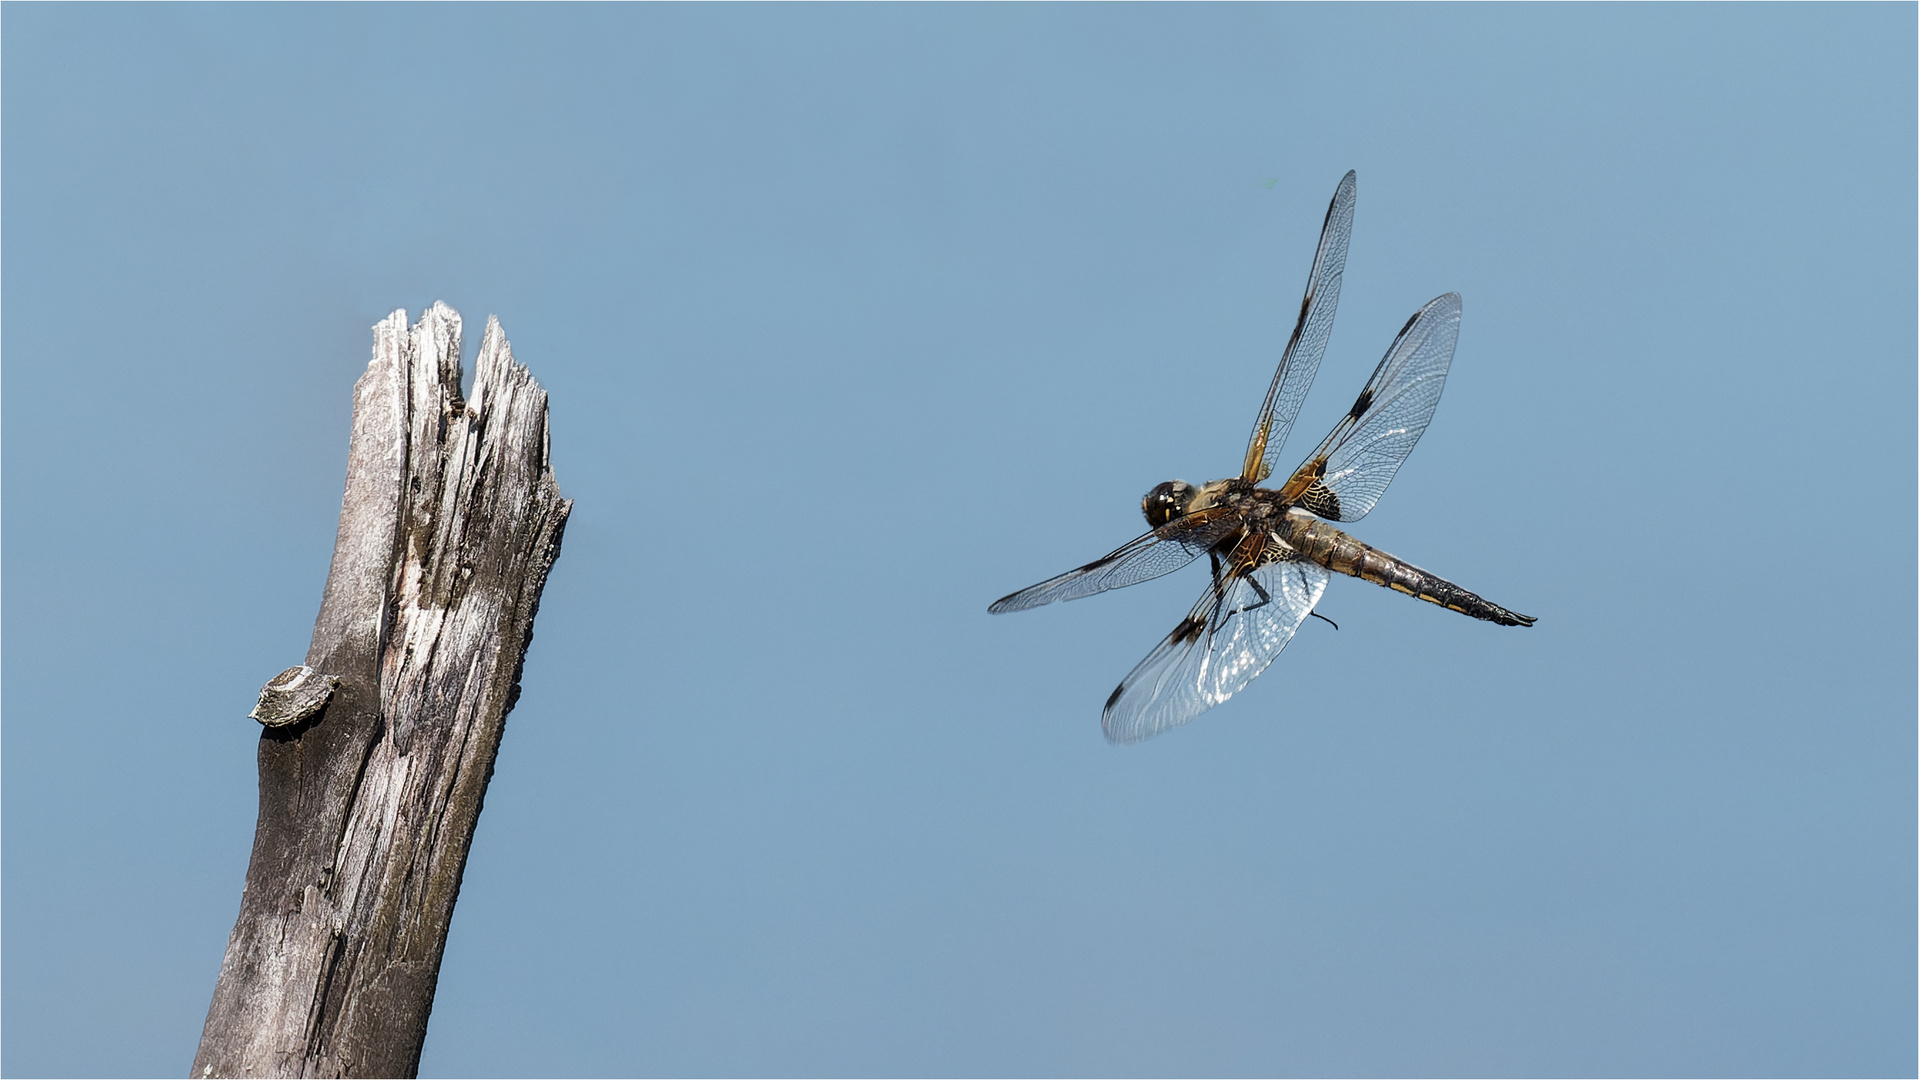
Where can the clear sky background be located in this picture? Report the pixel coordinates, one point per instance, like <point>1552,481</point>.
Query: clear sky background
<point>856,318</point>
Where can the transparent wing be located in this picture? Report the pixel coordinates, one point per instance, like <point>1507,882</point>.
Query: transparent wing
<point>1300,362</point>
<point>1346,475</point>
<point>1234,631</point>
<point>1161,551</point>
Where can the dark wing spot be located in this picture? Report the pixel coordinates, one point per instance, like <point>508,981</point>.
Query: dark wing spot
<point>1117,691</point>
<point>1319,499</point>
<point>1188,631</point>
<point>1365,402</point>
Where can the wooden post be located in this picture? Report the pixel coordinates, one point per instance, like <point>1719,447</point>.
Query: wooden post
<point>380,746</point>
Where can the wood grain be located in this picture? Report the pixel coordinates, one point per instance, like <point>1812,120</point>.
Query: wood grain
<point>449,525</point>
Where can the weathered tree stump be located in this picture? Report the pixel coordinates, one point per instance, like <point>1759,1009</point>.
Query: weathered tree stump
<point>375,761</point>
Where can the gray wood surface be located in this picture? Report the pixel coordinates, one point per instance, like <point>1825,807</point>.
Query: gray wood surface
<point>450,522</point>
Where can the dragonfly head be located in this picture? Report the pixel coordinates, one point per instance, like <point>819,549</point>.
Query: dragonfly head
<point>1167,501</point>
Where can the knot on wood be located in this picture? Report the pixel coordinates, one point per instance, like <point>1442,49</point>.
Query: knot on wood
<point>293,695</point>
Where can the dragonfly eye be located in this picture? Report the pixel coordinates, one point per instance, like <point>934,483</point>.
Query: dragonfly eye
<point>1167,501</point>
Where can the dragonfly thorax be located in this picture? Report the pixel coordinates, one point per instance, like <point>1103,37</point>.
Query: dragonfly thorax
<point>1170,500</point>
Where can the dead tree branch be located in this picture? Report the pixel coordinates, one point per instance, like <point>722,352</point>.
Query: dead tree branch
<point>378,754</point>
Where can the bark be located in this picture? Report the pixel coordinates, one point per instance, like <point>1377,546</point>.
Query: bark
<point>450,522</point>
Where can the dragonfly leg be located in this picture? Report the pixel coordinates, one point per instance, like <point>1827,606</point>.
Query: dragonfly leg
<point>1264,597</point>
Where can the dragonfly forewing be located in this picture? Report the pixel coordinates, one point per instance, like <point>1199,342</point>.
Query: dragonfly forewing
<point>1159,552</point>
<point>1300,362</point>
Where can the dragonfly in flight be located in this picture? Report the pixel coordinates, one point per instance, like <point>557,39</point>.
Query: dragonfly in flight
<point>1271,550</point>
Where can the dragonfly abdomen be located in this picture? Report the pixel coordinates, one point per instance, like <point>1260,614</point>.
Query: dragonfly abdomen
<point>1340,553</point>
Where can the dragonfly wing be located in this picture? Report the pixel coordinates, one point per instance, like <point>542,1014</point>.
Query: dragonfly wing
<point>1300,362</point>
<point>1234,631</point>
<point>1161,551</point>
<point>1347,474</point>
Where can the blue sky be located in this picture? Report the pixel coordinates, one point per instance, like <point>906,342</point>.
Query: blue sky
<point>856,318</point>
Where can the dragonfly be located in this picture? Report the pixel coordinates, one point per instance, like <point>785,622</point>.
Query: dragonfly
<point>1271,551</point>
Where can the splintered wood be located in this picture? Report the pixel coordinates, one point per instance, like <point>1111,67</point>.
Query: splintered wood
<point>450,523</point>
